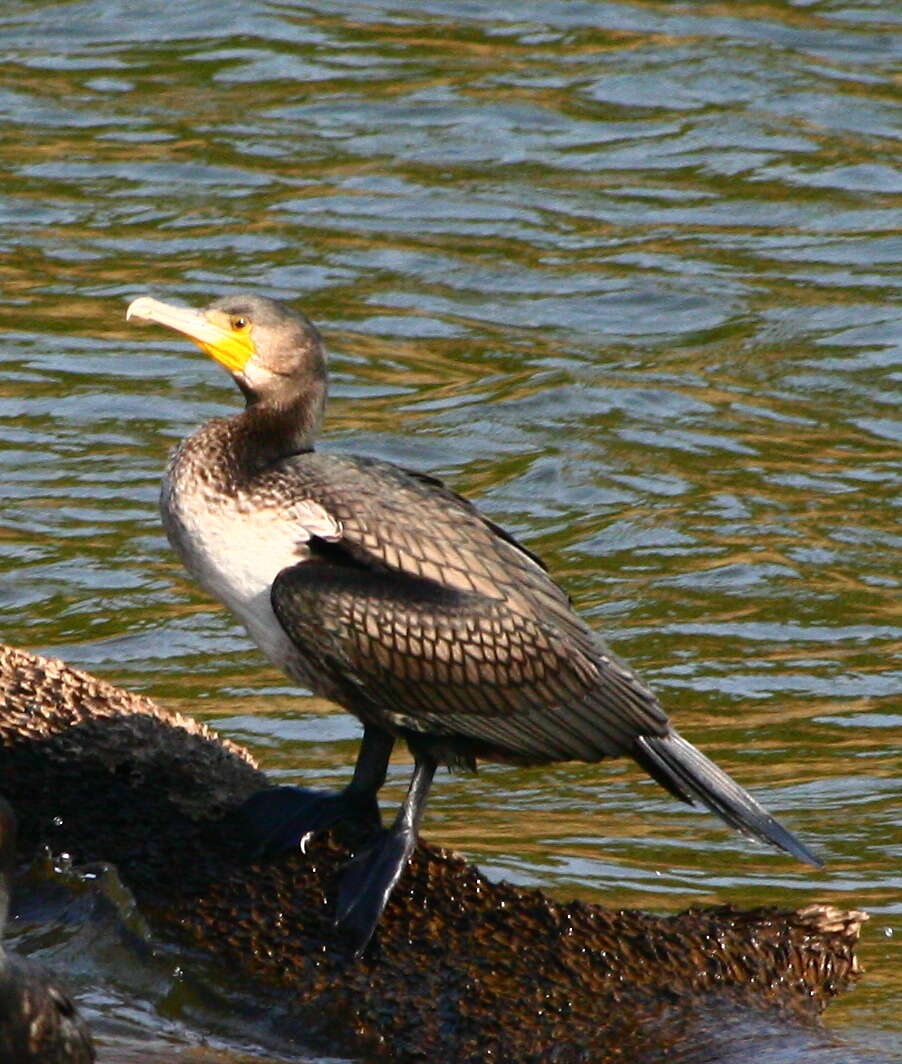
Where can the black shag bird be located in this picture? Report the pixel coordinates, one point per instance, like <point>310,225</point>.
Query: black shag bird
<point>384,591</point>
<point>38,1022</point>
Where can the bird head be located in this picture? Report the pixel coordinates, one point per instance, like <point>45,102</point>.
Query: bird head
<point>273,352</point>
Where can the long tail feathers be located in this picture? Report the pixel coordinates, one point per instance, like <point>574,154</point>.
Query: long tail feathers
<point>693,778</point>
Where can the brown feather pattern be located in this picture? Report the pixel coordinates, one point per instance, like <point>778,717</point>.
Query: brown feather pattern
<point>435,624</point>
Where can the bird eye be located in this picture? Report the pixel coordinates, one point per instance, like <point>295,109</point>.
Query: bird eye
<point>239,323</point>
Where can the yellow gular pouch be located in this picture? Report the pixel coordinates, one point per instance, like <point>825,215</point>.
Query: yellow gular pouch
<point>227,340</point>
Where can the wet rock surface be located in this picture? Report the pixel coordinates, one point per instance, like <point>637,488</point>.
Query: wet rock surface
<point>462,969</point>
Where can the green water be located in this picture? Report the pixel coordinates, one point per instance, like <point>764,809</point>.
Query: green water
<point>623,272</point>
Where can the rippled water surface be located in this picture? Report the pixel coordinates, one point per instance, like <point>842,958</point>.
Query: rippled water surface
<point>623,272</point>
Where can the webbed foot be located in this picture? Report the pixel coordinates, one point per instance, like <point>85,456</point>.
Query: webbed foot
<point>283,818</point>
<point>368,880</point>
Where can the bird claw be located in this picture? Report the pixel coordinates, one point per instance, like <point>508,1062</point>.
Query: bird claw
<point>285,818</point>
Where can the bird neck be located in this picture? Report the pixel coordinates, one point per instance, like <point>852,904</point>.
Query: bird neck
<point>270,431</point>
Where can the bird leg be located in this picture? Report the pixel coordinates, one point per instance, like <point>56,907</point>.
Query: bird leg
<point>368,879</point>
<point>281,818</point>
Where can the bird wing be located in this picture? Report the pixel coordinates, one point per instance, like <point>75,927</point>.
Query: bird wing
<point>429,616</point>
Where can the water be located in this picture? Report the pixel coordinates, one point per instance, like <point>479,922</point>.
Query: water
<point>623,272</point>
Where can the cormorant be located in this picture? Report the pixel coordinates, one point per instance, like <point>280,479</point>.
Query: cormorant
<point>38,1022</point>
<point>384,591</point>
